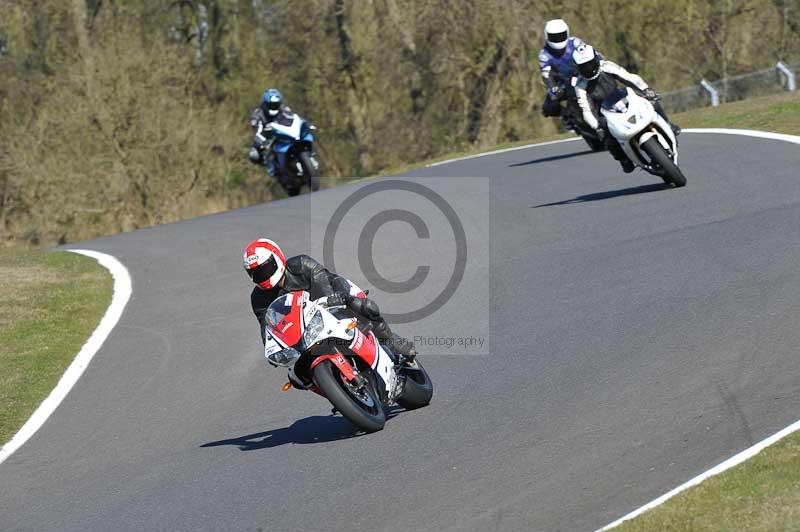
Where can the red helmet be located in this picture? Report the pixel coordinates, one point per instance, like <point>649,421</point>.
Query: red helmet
<point>264,262</point>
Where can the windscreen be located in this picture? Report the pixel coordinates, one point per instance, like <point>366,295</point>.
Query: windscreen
<point>278,310</point>
<point>617,101</point>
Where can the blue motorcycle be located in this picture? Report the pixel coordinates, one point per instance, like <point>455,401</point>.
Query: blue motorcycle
<point>294,162</point>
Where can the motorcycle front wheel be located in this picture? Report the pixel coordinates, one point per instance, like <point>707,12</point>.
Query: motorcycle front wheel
<point>359,404</point>
<point>310,171</point>
<point>671,173</point>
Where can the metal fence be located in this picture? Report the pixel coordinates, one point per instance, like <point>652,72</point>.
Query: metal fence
<point>764,82</point>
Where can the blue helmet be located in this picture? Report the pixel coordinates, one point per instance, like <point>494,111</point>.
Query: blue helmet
<point>271,102</point>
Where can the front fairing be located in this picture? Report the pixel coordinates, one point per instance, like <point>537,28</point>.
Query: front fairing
<point>291,128</point>
<point>284,318</point>
<point>628,115</point>
<point>305,133</point>
<point>282,144</point>
<point>294,324</point>
<point>296,321</point>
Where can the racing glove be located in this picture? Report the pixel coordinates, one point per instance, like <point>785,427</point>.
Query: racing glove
<point>338,298</point>
<point>601,134</point>
<point>556,92</point>
<point>650,94</point>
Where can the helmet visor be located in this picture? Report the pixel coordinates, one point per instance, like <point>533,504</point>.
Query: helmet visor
<point>274,105</point>
<point>263,272</point>
<point>556,38</point>
<point>589,69</point>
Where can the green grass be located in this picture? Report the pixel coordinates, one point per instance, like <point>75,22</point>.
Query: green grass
<point>762,493</point>
<point>779,114</point>
<point>49,305</point>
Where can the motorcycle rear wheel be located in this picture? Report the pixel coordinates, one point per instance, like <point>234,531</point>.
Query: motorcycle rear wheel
<point>595,144</point>
<point>364,411</point>
<point>417,388</point>
<point>671,173</point>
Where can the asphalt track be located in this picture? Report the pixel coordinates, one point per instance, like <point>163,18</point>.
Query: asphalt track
<point>638,337</point>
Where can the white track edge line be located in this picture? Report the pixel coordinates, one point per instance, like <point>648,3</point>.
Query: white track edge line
<point>723,131</point>
<point>727,464</point>
<point>747,133</point>
<point>504,150</point>
<point>758,447</point>
<point>120,297</point>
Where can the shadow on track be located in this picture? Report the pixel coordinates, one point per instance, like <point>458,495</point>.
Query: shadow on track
<point>597,196</point>
<point>313,429</point>
<point>552,158</point>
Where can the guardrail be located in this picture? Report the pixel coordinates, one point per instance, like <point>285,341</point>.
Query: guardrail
<point>780,78</point>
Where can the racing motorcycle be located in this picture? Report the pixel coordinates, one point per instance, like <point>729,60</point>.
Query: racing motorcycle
<point>645,136</point>
<point>346,362</point>
<point>295,162</point>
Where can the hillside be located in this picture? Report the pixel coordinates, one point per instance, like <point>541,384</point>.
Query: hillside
<point>118,115</point>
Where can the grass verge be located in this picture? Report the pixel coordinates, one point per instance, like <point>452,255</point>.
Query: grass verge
<point>761,494</point>
<point>51,303</point>
<point>779,114</point>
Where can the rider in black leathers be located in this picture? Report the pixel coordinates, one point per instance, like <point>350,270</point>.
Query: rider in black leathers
<point>304,273</point>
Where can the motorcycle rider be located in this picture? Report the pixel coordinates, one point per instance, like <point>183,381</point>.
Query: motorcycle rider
<point>270,110</point>
<point>596,79</point>
<point>274,276</point>
<point>556,65</point>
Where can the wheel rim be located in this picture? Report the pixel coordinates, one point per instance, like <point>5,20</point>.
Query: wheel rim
<point>359,393</point>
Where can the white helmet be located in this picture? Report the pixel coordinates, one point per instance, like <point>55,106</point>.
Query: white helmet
<point>556,34</point>
<point>586,61</point>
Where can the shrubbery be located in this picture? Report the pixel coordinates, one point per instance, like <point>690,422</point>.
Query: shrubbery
<point>116,115</point>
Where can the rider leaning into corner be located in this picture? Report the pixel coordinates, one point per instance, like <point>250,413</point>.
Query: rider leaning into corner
<point>596,79</point>
<point>556,65</point>
<point>269,111</point>
<point>274,276</point>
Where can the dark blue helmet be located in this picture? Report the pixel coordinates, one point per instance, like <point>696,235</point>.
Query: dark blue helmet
<point>271,102</point>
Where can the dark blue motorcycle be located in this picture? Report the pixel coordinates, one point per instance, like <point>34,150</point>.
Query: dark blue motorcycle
<point>294,162</point>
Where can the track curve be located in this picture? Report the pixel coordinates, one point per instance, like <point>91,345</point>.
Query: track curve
<point>659,339</point>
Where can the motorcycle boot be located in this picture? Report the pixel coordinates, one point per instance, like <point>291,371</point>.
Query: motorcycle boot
<point>627,165</point>
<point>612,145</point>
<point>368,309</point>
<point>396,343</point>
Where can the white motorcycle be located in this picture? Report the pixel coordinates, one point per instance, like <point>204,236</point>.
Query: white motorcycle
<point>347,366</point>
<point>645,136</point>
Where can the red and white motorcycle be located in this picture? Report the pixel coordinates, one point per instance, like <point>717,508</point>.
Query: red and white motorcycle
<point>348,366</point>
